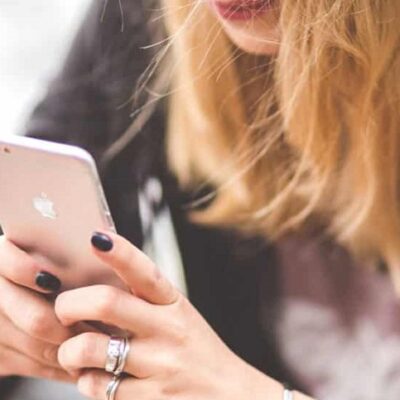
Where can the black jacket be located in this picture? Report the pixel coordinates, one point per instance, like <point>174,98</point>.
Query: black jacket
<point>230,279</point>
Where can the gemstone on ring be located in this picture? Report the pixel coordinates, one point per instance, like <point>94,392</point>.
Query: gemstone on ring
<point>114,352</point>
<point>125,348</point>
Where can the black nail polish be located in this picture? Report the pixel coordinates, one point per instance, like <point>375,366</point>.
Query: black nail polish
<point>102,242</point>
<point>48,282</point>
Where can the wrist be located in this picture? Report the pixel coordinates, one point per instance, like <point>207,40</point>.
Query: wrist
<point>248,383</point>
<point>265,388</point>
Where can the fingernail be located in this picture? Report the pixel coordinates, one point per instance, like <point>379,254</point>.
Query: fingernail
<point>48,282</point>
<point>102,241</point>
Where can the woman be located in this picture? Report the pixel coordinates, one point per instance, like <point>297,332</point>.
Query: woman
<point>280,132</point>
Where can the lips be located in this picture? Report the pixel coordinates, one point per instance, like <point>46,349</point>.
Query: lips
<point>242,9</point>
<point>250,4</point>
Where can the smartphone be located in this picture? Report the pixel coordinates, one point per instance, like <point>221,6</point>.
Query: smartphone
<point>51,202</point>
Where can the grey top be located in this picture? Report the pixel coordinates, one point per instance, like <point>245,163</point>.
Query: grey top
<point>35,389</point>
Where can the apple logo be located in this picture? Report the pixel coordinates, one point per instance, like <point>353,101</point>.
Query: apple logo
<point>44,206</point>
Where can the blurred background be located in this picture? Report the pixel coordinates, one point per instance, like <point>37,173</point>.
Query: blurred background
<point>34,38</point>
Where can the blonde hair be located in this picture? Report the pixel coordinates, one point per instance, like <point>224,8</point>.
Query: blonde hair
<point>309,138</point>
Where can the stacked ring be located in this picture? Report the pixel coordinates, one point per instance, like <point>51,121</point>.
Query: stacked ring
<point>113,353</point>
<point>119,369</point>
<point>117,354</point>
<point>113,387</point>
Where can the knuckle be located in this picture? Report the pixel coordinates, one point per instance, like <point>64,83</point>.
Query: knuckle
<point>61,308</point>
<point>178,331</point>
<point>50,354</point>
<point>172,365</point>
<point>89,384</point>
<point>179,324</point>
<point>14,274</point>
<point>36,324</point>
<point>151,283</point>
<point>63,356</point>
<point>17,271</point>
<point>77,353</point>
<point>87,346</point>
<point>172,389</point>
<point>21,270</point>
<point>107,301</point>
<point>183,305</point>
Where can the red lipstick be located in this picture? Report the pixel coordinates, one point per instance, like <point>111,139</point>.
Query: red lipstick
<point>241,10</point>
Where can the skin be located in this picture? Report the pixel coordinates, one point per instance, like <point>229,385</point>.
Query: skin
<point>30,331</point>
<point>174,353</point>
<point>261,35</point>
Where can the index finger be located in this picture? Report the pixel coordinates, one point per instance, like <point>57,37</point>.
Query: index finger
<point>134,268</point>
<point>22,269</point>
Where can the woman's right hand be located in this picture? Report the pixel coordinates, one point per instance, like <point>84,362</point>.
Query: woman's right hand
<point>30,332</point>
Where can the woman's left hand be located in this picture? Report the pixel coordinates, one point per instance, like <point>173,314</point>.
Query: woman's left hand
<point>174,353</point>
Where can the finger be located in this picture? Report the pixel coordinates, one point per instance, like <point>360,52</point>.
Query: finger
<point>109,305</point>
<point>89,350</point>
<point>19,267</point>
<point>42,352</point>
<point>20,365</point>
<point>93,384</point>
<point>31,313</point>
<point>134,268</point>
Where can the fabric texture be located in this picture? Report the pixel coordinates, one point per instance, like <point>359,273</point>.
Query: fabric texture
<point>339,323</point>
<point>300,310</point>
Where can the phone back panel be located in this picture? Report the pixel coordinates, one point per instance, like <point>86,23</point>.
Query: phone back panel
<point>51,201</point>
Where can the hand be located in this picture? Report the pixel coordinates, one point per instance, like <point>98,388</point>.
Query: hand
<point>30,332</point>
<point>174,352</point>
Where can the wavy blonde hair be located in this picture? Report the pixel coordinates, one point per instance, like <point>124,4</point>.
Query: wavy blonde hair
<point>308,138</point>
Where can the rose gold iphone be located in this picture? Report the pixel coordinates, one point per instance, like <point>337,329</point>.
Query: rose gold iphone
<point>51,201</point>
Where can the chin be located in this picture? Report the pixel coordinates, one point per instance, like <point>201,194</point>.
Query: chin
<point>255,48</point>
<point>254,41</point>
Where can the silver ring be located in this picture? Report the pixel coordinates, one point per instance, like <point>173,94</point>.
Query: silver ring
<point>113,387</point>
<point>123,358</point>
<point>115,350</point>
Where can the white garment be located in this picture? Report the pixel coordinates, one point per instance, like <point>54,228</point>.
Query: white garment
<point>160,241</point>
